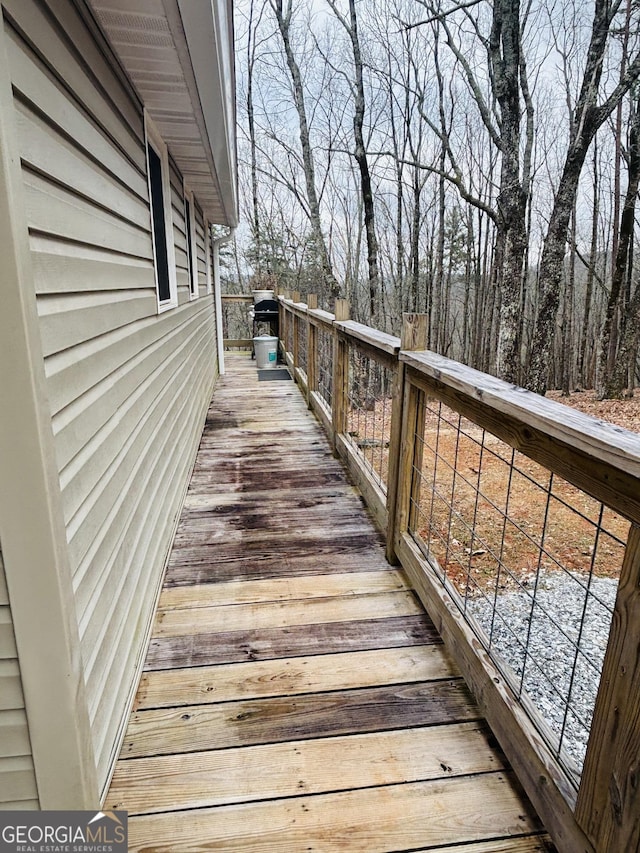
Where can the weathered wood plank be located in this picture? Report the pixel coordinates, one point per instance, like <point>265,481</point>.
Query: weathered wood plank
<point>235,297</point>
<point>178,652</point>
<point>376,339</point>
<point>285,614</point>
<point>273,511</point>
<point>293,676</point>
<point>246,774</point>
<point>281,589</point>
<point>205,566</point>
<point>216,496</point>
<point>231,534</point>
<point>374,820</point>
<point>206,480</point>
<point>254,721</point>
<point>313,553</point>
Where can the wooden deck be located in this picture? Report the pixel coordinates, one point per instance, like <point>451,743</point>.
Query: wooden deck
<point>296,697</point>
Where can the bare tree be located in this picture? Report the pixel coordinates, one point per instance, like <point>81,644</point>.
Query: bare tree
<point>283,14</point>
<point>360,151</point>
<point>588,117</point>
<point>613,361</point>
<point>508,80</point>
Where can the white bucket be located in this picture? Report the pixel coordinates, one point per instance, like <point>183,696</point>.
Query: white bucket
<point>266,349</point>
<point>259,295</point>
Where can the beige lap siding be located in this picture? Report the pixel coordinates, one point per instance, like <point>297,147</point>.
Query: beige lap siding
<point>128,389</point>
<point>17,777</point>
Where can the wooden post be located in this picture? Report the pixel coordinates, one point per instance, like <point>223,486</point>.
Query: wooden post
<point>414,337</point>
<point>282,329</point>
<point>340,392</point>
<point>312,350</point>
<point>608,806</point>
<point>295,296</point>
<point>286,327</point>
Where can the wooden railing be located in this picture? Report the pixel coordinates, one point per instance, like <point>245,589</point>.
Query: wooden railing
<point>235,311</point>
<point>419,463</point>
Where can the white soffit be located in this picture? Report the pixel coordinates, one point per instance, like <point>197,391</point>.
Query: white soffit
<point>178,54</point>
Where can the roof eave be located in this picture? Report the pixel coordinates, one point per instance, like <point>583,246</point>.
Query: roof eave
<point>179,57</point>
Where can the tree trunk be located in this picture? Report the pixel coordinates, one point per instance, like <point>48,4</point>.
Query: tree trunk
<point>567,332</point>
<point>512,199</point>
<point>415,243</point>
<point>284,25</point>
<point>591,273</point>
<point>612,370</point>
<point>588,118</point>
<point>623,374</point>
<point>363,165</point>
<point>360,154</point>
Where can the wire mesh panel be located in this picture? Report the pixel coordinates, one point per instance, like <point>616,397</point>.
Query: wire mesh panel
<point>302,344</point>
<point>369,412</point>
<point>324,375</point>
<point>288,333</point>
<point>236,321</point>
<point>532,562</point>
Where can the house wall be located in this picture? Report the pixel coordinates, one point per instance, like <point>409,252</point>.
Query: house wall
<point>127,388</point>
<point>17,776</point>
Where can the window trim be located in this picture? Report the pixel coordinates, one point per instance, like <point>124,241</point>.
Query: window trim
<point>154,140</point>
<point>191,244</point>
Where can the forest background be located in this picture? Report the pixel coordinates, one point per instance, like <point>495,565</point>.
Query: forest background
<point>475,161</point>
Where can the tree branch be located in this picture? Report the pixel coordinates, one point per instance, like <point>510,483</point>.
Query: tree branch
<point>435,16</point>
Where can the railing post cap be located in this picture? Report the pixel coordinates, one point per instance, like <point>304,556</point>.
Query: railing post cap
<point>414,331</point>
<point>342,309</point>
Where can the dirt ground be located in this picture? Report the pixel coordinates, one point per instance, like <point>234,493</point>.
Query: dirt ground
<point>624,413</point>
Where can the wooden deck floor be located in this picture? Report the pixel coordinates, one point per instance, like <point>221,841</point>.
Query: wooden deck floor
<point>296,697</point>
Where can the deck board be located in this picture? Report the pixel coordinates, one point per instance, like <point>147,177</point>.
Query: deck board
<point>229,646</point>
<point>292,676</point>
<point>296,696</point>
<point>275,770</point>
<point>274,720</point>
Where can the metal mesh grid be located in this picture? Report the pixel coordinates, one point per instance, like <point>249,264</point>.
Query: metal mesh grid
<point>324,361</point>
<point>532,562</point>
<point>288,333</point>
<point>236,322</point>
<point>369,412</point>
<point>302,344</point>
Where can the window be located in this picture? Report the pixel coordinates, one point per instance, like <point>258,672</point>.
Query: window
<point>161,221</point>
<point>190,234</point>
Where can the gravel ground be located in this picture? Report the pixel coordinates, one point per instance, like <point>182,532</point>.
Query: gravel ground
<point>556,645</point>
